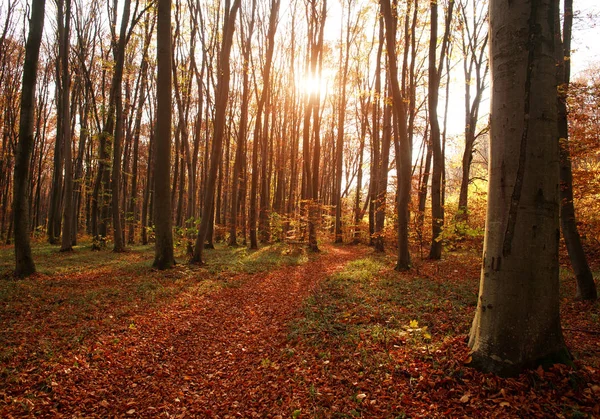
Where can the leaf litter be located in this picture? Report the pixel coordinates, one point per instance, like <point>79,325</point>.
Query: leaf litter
<point>297,341</point>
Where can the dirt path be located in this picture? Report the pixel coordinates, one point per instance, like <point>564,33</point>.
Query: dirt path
<point>214,356</point>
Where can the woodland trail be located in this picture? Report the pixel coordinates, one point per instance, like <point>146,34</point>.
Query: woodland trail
<point>217,355</point>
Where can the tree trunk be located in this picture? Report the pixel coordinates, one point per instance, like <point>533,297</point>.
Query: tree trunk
<point>243,129</point>
<point>474,47</point>
<point>163,250</point>
<point>517,322</point>
<point>382,177</point>
<point>586,288</point>
<point>339,146</point>
<point>435,72</point>
<point>402,145</point>
<point>24,265</point>
<point>68,214</point>
<point>222,95</point>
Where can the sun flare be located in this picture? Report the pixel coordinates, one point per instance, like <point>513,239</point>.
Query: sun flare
<point>310,84</point>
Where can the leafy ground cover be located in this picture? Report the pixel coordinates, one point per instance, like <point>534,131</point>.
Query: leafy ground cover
<point>268,333</point>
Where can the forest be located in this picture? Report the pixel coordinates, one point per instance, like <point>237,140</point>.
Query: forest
<point>303,208</point>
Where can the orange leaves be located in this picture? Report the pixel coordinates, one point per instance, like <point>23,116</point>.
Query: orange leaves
<point>230,352</point>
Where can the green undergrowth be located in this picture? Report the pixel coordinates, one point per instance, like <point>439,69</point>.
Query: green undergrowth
<point>49,261</point>
<point>244,260</point>
<point>372,308</point>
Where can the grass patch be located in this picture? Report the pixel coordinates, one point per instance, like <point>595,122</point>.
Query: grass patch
<point>243,260</point>
<point>371,308</point>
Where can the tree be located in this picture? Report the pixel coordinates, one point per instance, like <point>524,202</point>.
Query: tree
<point>260,138</point>
<point>24,265</point>
<point>163,255</point>
<point>237,178</point>
<point>586,288</point>
<point>64,36</point>
<point>474,39</point>
<point>517,322</point>
<point>401,141</point>
<point>310,172</point>
<point>222,95</point>
<point>339,145</point>
<point>435,75</point>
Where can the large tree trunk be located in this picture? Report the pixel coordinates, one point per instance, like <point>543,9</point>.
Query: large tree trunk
<point>586,288</point>
<point>24,265</point>
<point>517,322</point>
<point>163,253</point>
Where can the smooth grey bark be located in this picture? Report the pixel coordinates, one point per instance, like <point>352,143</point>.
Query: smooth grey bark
<point>163,249</point>
<point>24,265</point>
<point>517,322</point>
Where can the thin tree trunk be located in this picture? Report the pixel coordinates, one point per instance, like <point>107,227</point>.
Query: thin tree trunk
<point>402,145</point>
<point>219,127</point>
<point>24,265</point>
<point>163,250</point>
<point>586,288</point>
<point>68,214</point>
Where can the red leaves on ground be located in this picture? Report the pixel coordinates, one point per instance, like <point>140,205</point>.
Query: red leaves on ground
<point>228,354</point>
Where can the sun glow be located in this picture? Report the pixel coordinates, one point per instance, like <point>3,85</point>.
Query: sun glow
<point>311,84</point>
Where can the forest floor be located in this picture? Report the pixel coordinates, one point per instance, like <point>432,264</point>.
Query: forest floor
<point>270,333</point>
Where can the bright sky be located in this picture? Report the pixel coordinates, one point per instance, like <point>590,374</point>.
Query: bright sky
<point>585,43</point>
<point>586,51</point>
<point>586,35</point>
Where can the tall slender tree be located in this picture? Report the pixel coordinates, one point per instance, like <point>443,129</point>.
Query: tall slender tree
<point>222,95</point>
<point>310,173</point>
<point>339,145</point>
<point>64,26</point>
<point>24,265</point>
<point>586,288</point>
<point>163,255</point>
<point>402,143</point>
<point>238,172</point>
<point>474,40</point>
<point>435,75</point>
